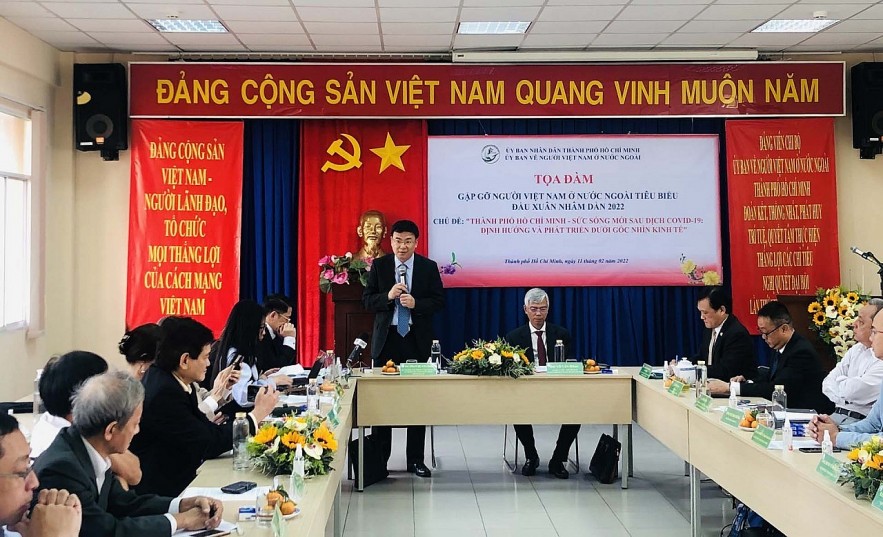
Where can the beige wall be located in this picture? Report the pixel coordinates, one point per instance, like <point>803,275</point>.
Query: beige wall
<point>88,207</point>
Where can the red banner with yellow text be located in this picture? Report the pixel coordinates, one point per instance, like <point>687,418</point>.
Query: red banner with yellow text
<point>185,208</point>
<point>312,90</point>
<point>783,210</point>
<point>347,168</point>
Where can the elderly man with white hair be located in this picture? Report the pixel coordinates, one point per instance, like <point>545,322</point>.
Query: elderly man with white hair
<point>106,415</point>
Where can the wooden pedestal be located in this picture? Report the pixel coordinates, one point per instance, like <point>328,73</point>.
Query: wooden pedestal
<point>351,320</point>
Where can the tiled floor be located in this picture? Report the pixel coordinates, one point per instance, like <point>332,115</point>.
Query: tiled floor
<point>473,494</point>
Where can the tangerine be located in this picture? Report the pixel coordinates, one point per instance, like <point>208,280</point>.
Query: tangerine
<point>273,498</point>
<point>287,507</point>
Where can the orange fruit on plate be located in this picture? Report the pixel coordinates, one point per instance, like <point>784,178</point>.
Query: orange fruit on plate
<point>273,498</point>
<point>287,507</point>
<point>744,423</point>
<point>754,424</point>
<point>590,362</point>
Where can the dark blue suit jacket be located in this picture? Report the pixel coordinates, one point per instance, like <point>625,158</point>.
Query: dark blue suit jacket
<point>521,337</point>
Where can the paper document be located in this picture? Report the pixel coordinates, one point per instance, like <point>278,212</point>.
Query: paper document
<point>794,416</point>
<point>295,370</point>
<point>797,443</point>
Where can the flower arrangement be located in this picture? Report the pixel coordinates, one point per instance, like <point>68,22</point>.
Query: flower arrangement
<point>272,448</point>
<point>833,314</point>
<point>698,275</point>
<point>342,270</point>
<point>864,469</point>
<point>492,358</point>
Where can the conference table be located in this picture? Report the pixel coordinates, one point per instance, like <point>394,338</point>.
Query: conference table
<point>471,400</point>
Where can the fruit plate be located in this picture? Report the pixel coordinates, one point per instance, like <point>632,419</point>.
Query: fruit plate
<point>591,372</point>
<point>292,515</point>
<point>748,429</point>
<point>390,374</point>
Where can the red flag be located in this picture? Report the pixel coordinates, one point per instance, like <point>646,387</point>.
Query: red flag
<point>783,210</point>
<point>347,168</point>
<point>184,221</point>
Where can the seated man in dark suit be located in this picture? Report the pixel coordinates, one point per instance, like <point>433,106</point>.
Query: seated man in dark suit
<point>794,364</point>
<point>107,411</point>
<point>276,348</point>
<point>538,338</point>
<point>726,348</point>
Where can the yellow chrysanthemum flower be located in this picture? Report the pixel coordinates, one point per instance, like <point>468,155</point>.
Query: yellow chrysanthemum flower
<point>477,354</point>
<point>711,278</point>
<point>814,307</point>
<point>819,318</point>
<point>507,354</point>
<point>688,266</point>
<point>852,296</point>
<point>853,455</point>
<point>292,439</point>
<point>265,436</point>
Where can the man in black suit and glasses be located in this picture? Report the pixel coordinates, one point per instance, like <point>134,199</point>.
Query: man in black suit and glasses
<point>404,290</point>
<point>726,346</point>
<point>539,338</point>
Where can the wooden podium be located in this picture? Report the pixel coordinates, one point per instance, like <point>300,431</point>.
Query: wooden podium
<point>797,306</point>
<point>351,320</point>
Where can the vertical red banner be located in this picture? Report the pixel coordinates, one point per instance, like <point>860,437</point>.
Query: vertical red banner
<point>783,210</point>
<point>185,209</point>
<point>347,168</point>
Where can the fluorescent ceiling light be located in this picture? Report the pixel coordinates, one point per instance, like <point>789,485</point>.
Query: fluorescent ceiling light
<point>492,27</point>
<point>801,25</point>
<point>588,56</point>
<point>187,25</point>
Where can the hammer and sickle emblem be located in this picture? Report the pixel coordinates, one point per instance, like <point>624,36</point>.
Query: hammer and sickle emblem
<point>351,160</point>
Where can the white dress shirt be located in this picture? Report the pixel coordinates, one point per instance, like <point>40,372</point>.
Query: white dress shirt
<point>45,431</point>
<point>854,383</point>
<point>101,465</point>
<point>715,333</point>
<point>288,341</point>
<point>409,282</point>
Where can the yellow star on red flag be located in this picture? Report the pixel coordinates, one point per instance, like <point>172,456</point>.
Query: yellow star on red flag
<point>390,154</point>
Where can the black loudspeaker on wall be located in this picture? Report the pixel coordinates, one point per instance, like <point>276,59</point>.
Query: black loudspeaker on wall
<point>867,108</point>
<point>100,108</point>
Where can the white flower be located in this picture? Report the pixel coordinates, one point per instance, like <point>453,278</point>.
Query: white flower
<point>840,350</point>
<point>848,335</point>
<point>831,312</point>
<point>275,447</point>
<point>334,258</point>
<point>300,424</point>
<point>313,450</point>
<point>348,255</point>
<point>495,359</point>
<point>837,340</point>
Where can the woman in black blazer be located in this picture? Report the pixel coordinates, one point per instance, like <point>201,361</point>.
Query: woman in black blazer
<point>176,436</point>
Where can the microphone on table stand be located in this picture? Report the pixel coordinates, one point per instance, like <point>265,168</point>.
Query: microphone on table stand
<point>865,255</point>
<point>356,354</point>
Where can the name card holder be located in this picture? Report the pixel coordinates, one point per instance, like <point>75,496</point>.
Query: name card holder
<point>646,371</point>
<point>418,370</point>
<point>676,388</point>
<point>829,468</point>
<point>878,499</point>
<point>732,417</point>
<point>763,436</point>
<point>703,403</point>
<point>564,368</point>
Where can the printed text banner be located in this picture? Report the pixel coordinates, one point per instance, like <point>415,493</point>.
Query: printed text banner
<point>184,221</point>
<point>575,210</point>
<point>783,210</point>
<point>445,90</point>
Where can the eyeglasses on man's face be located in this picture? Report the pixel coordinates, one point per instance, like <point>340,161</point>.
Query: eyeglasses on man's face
<point>538,309</point>
<point>765,335</point>
<point>24,474</point>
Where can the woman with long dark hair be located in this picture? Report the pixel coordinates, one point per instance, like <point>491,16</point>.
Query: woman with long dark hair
<point>239,342</point>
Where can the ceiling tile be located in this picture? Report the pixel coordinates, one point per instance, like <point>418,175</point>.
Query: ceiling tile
<point>567,27</point>
<point>85,10</point>
<point>417,41</point>
<point>368,49</point>
<point>420,50</point>
<point>657,2</point>
<point>356,14</point>
<point>712,40</point>
<point>23,9</point>
<point>208,40</point>
<point>639,27</point>
<point>410,3</point>
<point>415,14</point>
<point>117,25</point>
<point>848,39</point>
<point>587,2</point>
<point>698,26</point>
<point>334,3</point>
<point>135,38</point>
<point>52,24</point>
<point>579,13</point>
<point>250,40</point>
<point>322,40</point>
<point>65,38</point>
<point>501,3</point>
<point>249,2</point>
<point>857,26</point>
<point>773,40</point>
<point>281,48</point>
<point>464,42</point>
<point>148,48</point>
<point>750,12</point>
<point>549,41</point>
<point>408,28</point>
<point>163,11</point>
<point>659,13</point>
<point>836,10</point>
<point>269,27</point>
<point>229,47</point>
<point>255,13</point>
<point>525,14</point>
<point>627,40</point>
<point>338,28</point>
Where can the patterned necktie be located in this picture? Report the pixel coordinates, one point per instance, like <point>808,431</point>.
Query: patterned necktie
<point>403,314</point>
<point>541,348</point>
<point>711,345</point>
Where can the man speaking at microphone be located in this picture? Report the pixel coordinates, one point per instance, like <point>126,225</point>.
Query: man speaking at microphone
<point>404,290</point>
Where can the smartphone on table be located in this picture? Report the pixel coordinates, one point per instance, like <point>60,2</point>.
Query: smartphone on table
<point>239,487</point>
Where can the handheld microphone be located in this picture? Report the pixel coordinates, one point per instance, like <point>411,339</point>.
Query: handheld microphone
<point>360,344</point>
<point>403,275</point>
<point>866,255</point>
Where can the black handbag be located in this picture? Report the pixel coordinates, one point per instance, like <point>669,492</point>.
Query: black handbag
<point>375,468</point>
<point>605,461</point>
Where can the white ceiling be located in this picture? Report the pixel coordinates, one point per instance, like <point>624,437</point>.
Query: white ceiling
<point>424,26</point>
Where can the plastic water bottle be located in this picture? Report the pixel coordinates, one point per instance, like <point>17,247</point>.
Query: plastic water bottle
<point>827,446</point>
<point>701,379</point>
<point>297,474</point>
<point>331,369</point>
<point>559,350</point>
<point>312,397</point>
<point>780,399</point>
<point>38,402</point>
<point>734,401</point>
<point>435,353</point>
<point>240,437</point>
<point>788,436</point>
